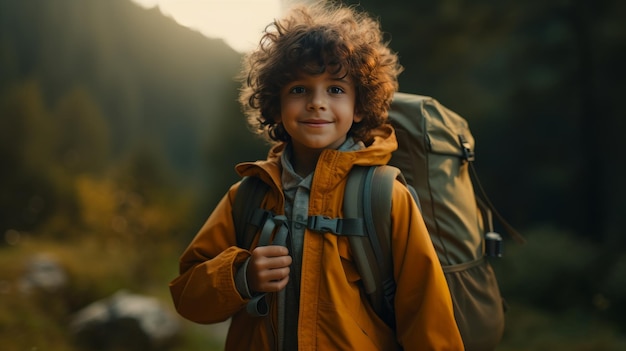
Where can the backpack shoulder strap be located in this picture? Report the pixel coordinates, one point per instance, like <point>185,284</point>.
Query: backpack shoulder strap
<point>248,215</point>
<point>248,218</point>
<point>372,253</point>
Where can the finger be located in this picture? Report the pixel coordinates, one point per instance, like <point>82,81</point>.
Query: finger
<point>262,271</point>
<point>274,275</point>
<point>278,262</point>
<point>271,251</point>
<point>261,262</point>
<point>274,285</point>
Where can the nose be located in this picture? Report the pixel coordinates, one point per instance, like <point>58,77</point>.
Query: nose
<point>317,101</point>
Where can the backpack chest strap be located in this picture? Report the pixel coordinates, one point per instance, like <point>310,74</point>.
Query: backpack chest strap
<point>337,226</point>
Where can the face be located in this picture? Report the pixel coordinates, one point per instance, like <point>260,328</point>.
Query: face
<point>317,111</point>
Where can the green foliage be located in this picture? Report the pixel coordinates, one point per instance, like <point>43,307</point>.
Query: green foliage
<point>530,328</point>
<point>84,141</point>
<point>563,292</point>
<point>27,141</point>
<point>554,270</point>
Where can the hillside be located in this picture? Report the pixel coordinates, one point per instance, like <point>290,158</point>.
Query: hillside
<point>151,85</point>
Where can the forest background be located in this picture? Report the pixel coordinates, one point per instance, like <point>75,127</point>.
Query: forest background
<point>119,130</point>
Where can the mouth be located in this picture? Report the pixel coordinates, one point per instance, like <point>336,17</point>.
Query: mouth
<point>315,122</point>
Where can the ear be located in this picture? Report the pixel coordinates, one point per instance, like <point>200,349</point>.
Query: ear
<point>357,118</point>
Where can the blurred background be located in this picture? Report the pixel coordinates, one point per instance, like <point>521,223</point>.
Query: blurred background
<point>119,131</point>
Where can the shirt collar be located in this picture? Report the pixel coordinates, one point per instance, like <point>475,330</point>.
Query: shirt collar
<point>291,179</point>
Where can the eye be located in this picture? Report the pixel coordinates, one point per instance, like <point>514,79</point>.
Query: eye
<point>297,90</point>
<point>336,90</point>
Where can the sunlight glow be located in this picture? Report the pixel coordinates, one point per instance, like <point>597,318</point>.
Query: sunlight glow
<point>239,22</point>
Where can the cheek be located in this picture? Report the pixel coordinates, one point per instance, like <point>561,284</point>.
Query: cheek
<point>286,109</point>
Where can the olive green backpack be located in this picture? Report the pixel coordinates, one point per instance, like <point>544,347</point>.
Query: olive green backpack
<point>434,159</point>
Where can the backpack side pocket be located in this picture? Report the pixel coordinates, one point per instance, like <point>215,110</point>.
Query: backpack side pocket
<point>478,305</point>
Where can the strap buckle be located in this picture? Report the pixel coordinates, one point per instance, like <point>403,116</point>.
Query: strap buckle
<point>325,224</point>
<point>468,153</point>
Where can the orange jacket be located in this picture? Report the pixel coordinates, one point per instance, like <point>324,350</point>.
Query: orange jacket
<point>334,313</point>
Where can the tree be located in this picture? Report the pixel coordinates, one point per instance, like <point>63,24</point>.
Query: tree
<point>83,134</point>
<point>28,193</point>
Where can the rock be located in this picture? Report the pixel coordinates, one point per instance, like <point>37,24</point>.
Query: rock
<point>125,321</point>
<point>43,273</point>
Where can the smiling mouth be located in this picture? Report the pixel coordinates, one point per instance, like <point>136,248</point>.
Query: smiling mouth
<point>315,122</point>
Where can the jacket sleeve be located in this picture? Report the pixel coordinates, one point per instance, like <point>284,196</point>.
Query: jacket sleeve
<point>205,290</point>
<point>424,313</point>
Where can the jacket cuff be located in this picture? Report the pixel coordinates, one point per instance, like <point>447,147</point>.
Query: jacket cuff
<point>241,282</point>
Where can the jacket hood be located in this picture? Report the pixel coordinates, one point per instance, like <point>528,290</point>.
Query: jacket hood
<point>335,162</point>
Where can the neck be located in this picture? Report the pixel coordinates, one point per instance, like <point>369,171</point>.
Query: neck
<point>304,161</point>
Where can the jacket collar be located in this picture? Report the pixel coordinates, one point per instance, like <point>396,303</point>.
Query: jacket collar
<point>332,166</point>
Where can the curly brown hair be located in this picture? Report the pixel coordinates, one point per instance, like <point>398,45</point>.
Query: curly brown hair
<point>314,39</point>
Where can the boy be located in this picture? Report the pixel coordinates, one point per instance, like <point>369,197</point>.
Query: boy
<point>319,85</point>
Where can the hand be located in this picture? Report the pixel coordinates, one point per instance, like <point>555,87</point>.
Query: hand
<point>268,268</point>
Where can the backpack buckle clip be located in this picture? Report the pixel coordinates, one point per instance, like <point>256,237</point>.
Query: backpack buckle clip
<point>468,153</point>
<point>324,224</point>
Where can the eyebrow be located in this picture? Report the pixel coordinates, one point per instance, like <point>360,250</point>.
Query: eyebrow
<point>344,79</point>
